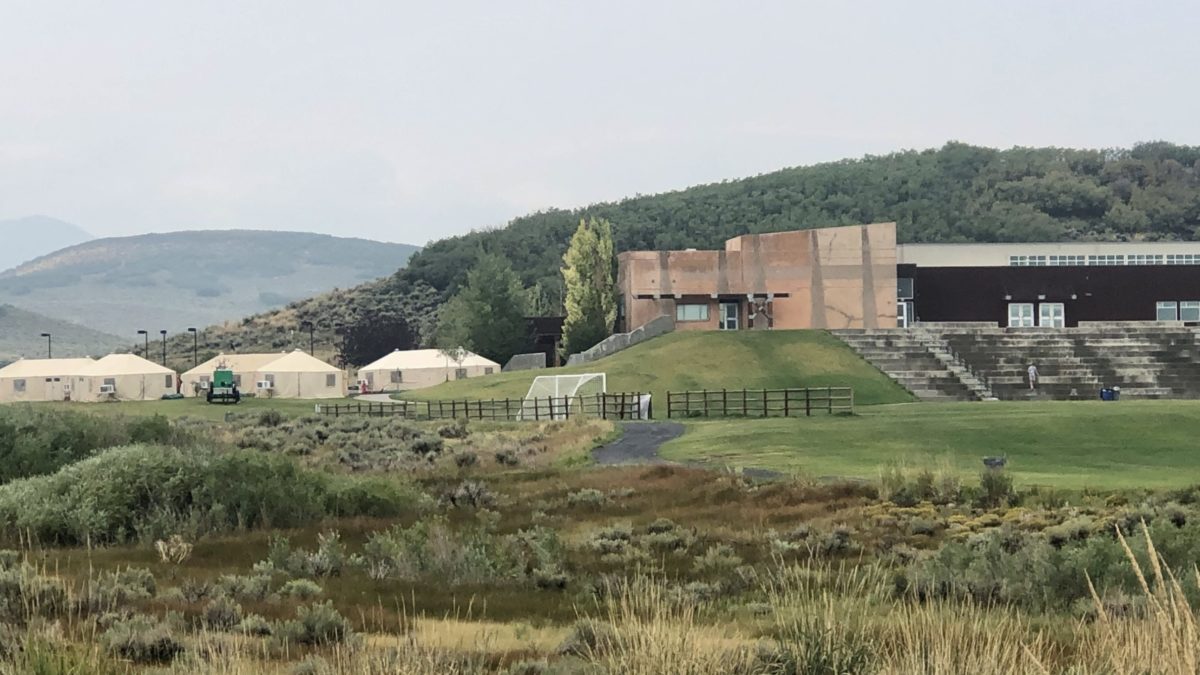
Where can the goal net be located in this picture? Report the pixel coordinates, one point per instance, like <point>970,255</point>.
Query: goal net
<point>561,396</point>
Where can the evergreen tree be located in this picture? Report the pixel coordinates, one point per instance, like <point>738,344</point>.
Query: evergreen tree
<point>591,302</point>
<point>487,315</point>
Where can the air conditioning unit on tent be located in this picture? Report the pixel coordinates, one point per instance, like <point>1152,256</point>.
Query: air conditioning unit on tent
<point>205,384</point>
<point>108,389</point>
<point>265,384</point>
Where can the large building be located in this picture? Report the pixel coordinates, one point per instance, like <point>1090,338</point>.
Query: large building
<point>858,277</point>
<point>836,277</point>
<point>1048,285</point>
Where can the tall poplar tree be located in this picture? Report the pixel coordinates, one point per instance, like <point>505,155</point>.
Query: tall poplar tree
<point>591,300</point>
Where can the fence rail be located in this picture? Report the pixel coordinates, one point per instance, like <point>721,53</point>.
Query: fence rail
<point>760,402</point>
<point>616,406</point>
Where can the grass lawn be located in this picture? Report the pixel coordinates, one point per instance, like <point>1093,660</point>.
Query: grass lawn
<point>194,407</point>
<point>712,360</point>
<point>1072,445</point>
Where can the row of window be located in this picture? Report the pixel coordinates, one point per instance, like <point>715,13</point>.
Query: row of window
<point>691,312</point>
<point>21,386</point>
<point>1106,259</point>
<point>1181,310</point>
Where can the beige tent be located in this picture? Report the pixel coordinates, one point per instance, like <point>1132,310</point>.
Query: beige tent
<point>245,369</point>
<point>42,379</point>
<point>124,377</point>
<point>419,368</point>
<point>298,375</point>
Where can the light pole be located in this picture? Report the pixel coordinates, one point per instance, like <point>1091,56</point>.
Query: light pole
<point>146,350</point>
<point>309,325</point>
<point>195,346</point>
<point>339,330</point>
<point>49,350</point>
<point>164,338</point>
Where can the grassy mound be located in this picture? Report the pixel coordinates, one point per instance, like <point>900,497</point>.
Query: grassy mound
<point>709,360</point>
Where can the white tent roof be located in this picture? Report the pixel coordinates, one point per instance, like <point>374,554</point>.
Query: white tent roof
<point>426,358</point>
<point>125,364</point>
<point>298,362</point>
<point>46,367</point>
<point>238,363</point>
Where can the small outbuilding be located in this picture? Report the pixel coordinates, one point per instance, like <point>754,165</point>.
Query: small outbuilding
<point>42,379</point>
<point>125,377</point>
<point>280,375</point>
<point>418,368</point>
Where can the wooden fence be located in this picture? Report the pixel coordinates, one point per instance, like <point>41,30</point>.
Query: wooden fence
<point>760,402</point>
<point>620,406</point>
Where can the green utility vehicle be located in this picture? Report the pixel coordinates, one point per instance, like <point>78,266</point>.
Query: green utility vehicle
<point>223,388</point>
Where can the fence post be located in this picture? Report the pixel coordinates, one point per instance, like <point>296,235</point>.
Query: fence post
<point>829,398</point>
<point>724,402</point>
<point>764,397</point>
<point>787,402</point>
<point>603,406</point>
<point>704,394</point>
<point>807,402</point>
<point>745,408</point>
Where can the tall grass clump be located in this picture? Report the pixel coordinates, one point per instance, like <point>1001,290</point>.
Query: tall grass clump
<point>143,492</point>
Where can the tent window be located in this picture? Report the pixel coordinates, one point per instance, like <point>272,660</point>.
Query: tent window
<point>237,380</point>
<point>110,381</point>
<point>397,377</point>
<point>168,381</point>
<point>460,374</point>
<point>487,370</point>
<point>331,380</point>
<point>18,385</point>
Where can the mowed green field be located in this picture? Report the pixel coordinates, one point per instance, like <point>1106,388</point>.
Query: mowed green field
<point>1064,444</point>
<point>712,360</point>
<point>194,407</point>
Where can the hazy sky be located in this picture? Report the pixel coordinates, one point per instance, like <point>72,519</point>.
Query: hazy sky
<point>410,121</point>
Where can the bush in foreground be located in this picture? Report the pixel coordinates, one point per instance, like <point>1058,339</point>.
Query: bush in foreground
<point>142,492</point>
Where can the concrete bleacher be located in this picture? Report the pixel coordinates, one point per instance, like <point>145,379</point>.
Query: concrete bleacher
<point>1146,360</point>
<point>906,357</point>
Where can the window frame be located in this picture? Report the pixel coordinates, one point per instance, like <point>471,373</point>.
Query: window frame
<point>330,380</point>
<point>396,377</point>
<point>702,313</point>
<point>1193,307</point>
<point>460,373</point>
<point>20,386</point>
<point>1171,305</point>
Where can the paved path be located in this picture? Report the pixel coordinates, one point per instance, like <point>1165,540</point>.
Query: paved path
<point>639,443</point>
<point>375,398</point>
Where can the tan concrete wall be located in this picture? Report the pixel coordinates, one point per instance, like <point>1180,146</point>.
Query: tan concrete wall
<point>839,277</point>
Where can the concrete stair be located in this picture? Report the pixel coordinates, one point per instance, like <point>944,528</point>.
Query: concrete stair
<point>908,357</point>
<point>1145,361</point>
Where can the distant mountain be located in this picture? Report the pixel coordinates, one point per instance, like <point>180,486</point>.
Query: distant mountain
<point>195,278</point>
<point>20,336</point>
<point>27,238</point>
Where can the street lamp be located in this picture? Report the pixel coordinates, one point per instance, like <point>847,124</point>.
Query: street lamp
<point>195,345</point>
<point>164,338</point>
<point>146,351</point>
<point>309,325</point>
<point>49,351</point>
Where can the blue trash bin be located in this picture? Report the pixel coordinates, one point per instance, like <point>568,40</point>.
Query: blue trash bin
<point>1106,394</point>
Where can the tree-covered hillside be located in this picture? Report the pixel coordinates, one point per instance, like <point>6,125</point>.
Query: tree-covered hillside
<point>957,193</point>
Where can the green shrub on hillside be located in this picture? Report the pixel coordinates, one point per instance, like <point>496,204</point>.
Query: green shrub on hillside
<point>141,492</point>
<point>36,440</point>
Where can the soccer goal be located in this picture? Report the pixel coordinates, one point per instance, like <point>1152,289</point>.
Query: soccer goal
<point>561,396</point>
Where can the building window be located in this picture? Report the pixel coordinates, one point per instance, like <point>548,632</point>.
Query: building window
<point>691,312</point>
<point>330,380</point>
<point>1064,260</point>
<point>487,370</point>
<point>19,385</point>
<point>1106,260</point>
<point>1020,315</point>
<point>1166,310</point>
<point>1051,315</point>
<point>110,382</point>
<point>1144,259</point>
<point>1027,260</point>
<point>460,374</point>
<point>397,376</point>
<point>904,289</point>
<point>168,381</point>
<point>1183,259</point>
<point>1189,310</point>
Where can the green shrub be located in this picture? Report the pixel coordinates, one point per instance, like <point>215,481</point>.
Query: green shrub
<point>588,639</point>
<point>119,588</point>
<point>472,495</point>
<point>142,492</point>
<point>245,588</point>
<point>316,624</point>
<point>302,589</point>
<point>253,624</point>
<point>270,418</point>
<point>996,489</point>
<point>142,640</point>
<point>814,646</point>
<point>587,497</point>
<point>507,458</point>
<point>222,614</point>
<point>465,459</point>
<point>25,593</point>
<point>458,429</point>
<point>717,559</point>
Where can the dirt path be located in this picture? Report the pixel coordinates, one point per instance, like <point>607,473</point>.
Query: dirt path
<point>639,443</point>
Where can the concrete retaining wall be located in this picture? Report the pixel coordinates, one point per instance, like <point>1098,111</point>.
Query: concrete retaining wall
<point>534,361</point>
<point>615,343</point>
